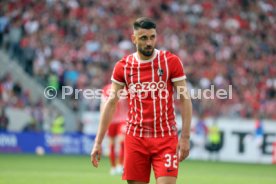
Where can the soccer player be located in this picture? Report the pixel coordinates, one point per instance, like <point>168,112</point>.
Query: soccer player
<point>150,77</point>
<point>200,137</point>
<point>259,137</point>
<point>116,131</point>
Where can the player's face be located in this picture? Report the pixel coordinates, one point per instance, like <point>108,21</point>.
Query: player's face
<point>145,41</point>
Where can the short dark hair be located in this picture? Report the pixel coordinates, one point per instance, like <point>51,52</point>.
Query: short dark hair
<point>144,23</point>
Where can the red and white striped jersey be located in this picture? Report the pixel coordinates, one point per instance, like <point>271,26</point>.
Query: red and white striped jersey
<point>150,92</point>
<point>121,112</point>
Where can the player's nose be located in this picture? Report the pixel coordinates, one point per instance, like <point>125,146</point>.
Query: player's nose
<point>149,43</point>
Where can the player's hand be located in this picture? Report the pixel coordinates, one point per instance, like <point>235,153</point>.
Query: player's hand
<point>96,154</point>
<point>183,148</point>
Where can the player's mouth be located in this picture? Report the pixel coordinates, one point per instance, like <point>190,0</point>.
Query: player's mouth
<point>148,48</point>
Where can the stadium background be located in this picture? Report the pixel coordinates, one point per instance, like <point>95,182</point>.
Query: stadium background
<point>77,42</point>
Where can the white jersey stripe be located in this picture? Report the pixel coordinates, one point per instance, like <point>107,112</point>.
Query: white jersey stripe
<point>154,105</point>
<point>135,121</point>
<point>125,75</point>
<point>134,132</point>
<point>136,114</point>
<point>125,72</point>
<point>167,72</point>
<point>181,64</point>
<point>141,105</point>
<point>160,99</point>
<point>131,110</point>
<point>135,105</point>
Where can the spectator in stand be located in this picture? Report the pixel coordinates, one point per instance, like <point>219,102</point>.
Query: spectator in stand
<point>259,138</point>
<point>4,120</point>
<point>200,137</point>
<point>12,95</point>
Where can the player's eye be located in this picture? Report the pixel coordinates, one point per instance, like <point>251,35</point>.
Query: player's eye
<point>143,38</point>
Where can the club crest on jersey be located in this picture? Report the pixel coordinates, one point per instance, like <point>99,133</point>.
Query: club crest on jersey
<point>160,72</point>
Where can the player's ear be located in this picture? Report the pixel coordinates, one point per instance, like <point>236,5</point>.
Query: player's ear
<point>133,38</point>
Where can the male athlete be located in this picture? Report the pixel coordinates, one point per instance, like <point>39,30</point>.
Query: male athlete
<point>116,132</point>
<point>150,77</point>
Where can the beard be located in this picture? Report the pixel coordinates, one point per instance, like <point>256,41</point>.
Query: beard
<point>147,51</point>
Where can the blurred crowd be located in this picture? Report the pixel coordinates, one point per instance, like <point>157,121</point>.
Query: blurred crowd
<point>221,43</point>
<point>13,96</point>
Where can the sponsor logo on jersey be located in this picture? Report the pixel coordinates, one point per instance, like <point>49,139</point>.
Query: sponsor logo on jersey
<point>147,86</point>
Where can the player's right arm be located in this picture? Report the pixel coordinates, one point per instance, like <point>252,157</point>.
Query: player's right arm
<point>105,118</point>
<point>178,78</point>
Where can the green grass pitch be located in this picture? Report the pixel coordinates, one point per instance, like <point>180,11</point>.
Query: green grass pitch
<point>54,169</point>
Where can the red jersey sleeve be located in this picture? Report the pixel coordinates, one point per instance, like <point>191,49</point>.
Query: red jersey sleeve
<point>118,73</point>
<point>176,68</point>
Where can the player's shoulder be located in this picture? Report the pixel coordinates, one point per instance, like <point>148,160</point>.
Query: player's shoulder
<point>124,60</point>
<point>171,57</point>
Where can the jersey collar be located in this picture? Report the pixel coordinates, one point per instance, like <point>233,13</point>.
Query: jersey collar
<point>148,60</point>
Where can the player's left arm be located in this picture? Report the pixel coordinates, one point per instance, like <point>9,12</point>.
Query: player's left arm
<point>186,116</point>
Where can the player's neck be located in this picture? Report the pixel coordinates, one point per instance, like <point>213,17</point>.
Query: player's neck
<point>145,58</point>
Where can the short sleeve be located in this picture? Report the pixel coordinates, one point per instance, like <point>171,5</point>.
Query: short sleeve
<point>176,69</point>
<point>118,74</point>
